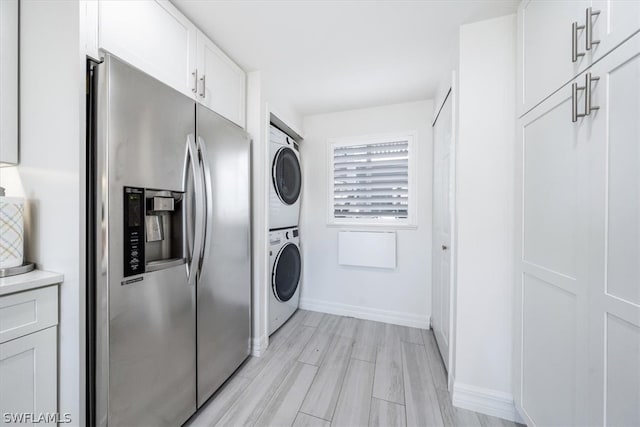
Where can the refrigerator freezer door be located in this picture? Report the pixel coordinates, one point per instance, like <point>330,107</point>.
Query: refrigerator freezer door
<point>146,336</point>
<point>224,284</point>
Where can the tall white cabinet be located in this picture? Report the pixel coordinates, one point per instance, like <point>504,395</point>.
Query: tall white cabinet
<point>577,346</point>
<point>170,48</point>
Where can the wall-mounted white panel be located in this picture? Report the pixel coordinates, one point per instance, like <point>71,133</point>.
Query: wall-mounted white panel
<point>623,373</point>
<point>367,249</point>
<point>548,353</point>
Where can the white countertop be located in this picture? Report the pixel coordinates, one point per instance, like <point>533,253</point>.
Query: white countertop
<point>26,281</point>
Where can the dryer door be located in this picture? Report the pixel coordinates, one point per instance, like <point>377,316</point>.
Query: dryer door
<point>286,175</point>
<point>286,272</point>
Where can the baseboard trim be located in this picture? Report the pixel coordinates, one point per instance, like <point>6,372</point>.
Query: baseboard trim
<point>486,401</point>
<point>394,317</point>
<point>258,346</point>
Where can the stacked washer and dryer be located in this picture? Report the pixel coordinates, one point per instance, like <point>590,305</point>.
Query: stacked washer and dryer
<point>284,241</point>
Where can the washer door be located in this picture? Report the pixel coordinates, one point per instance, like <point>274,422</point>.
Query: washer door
<point>287,179</point>
<point>286,272</point>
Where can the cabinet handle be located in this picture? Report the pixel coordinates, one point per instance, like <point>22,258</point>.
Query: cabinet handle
<point>574,41</point>
<point>574,102</point>
<point>204,86</point>
<point>589,28</point>
<point>194,89</point>
<point>588,107</point>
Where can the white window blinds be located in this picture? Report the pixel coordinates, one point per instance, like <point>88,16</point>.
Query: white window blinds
<point>371,181</point>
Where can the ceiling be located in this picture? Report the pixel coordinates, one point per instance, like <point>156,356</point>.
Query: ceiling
<point>325,56</point>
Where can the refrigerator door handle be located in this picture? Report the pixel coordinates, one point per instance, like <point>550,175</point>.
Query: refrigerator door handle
<point>208,195</point>
<point>193,166</point>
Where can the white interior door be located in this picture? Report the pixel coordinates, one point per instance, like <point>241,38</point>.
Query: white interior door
<point>442,192</point>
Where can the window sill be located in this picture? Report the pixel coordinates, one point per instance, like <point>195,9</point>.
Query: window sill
<point>372,227</point>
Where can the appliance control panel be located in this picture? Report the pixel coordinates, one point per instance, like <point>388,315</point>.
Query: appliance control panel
<point>134,223</point>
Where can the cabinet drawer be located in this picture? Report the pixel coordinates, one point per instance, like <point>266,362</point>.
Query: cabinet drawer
<point>25,312</point>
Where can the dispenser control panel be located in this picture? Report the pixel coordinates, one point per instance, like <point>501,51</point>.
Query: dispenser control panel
<point>134,223</point>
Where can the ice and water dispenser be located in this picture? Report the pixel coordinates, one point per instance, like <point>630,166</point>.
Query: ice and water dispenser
<point>153,230</point>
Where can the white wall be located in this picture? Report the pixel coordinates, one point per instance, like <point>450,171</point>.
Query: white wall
<point>281,106</point>
<point>262,100</point>
<point>256,125</point>
<point>485,216</point>
<point>49,174</point>
<point>402,295</point>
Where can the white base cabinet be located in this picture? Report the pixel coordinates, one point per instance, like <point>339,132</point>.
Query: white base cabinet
<point>29,349</point>
<point>159,40</point>
<point>28,379</point>
<point>577,346</point>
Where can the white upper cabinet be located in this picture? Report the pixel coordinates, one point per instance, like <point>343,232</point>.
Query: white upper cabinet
<point>545,44</point>
<point>557,40</point>
<point>221,83</point>
<point>612,22</point>
<point>153,36</point>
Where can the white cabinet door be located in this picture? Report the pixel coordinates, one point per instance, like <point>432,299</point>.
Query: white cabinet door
<point>545,48</point>
<point>551,264</point>
<point>577,352</point>
<point>28,376</point>
<point>614,247</point>
<point>616,21</point>
<point>221,83</point>
<point>154,37</point>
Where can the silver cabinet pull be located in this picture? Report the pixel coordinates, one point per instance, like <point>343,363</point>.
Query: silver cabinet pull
<point>574,102</point>
<point>194,89</point>
<point>588,107</point>
<point>589,28</point>
<point>574,41</point>
<point>204,85</point>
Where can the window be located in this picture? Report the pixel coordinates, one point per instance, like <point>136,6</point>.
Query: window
<point>371,180</point>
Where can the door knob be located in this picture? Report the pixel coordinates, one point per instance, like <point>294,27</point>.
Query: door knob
<point>444,248</point>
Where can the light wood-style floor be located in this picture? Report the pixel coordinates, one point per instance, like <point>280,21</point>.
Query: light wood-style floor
<point>325,370</point>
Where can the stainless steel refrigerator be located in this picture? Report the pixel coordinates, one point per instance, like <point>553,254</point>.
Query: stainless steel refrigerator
<point>169,262</point>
